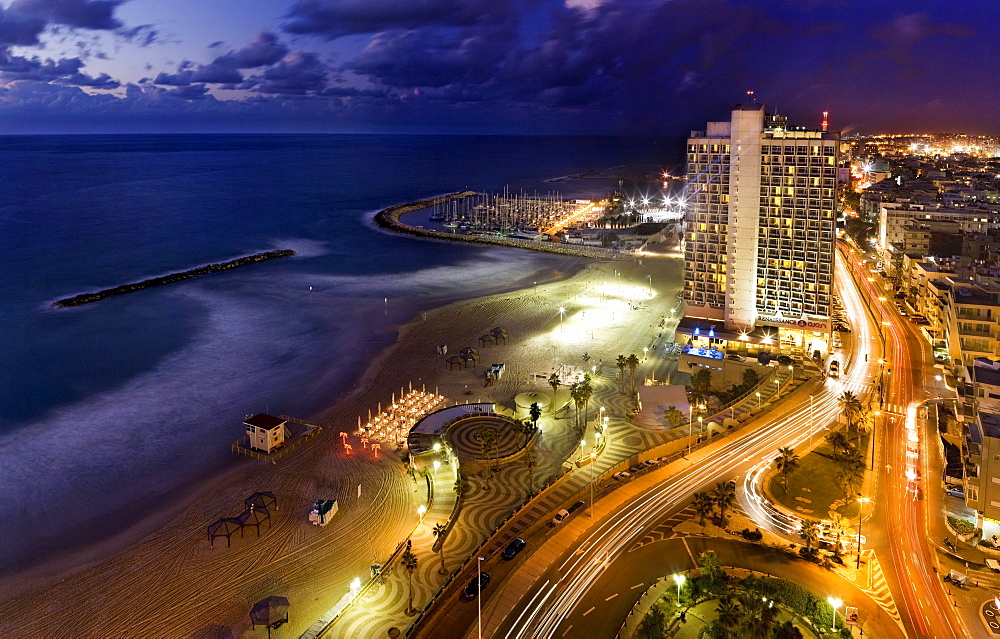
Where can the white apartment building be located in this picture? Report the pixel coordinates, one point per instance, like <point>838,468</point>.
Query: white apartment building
<point>759,241</point>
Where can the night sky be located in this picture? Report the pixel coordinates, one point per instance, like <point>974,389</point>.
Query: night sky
<point>610,67</point>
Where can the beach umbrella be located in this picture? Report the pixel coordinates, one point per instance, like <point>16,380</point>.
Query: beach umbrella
<point>268,612</point>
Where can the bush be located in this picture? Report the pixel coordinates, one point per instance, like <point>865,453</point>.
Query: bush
<point>752,535</point>
<point>962,526</point>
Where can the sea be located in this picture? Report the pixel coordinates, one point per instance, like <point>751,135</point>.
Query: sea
<point>108,409</point>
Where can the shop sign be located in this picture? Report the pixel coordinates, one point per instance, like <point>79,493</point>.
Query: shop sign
<point>794,322</point>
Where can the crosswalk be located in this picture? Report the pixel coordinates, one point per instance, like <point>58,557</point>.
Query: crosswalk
<point>984,577</point>
<point>878,588</point>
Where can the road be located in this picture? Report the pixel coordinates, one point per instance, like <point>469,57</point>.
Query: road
<point>899,523</point>
<point>577,566</point>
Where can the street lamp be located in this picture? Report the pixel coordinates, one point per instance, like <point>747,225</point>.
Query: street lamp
<point>562,311</point>
<point>811,421</point>
<point>583,442</point>
<point>421,509</point>
<point>479,598</point>
<point>861,501</point>
<point>645,351</point>
<point>679,580</point>
<point>701,421</point>
<point>758,400</point>
<point>835,604</point>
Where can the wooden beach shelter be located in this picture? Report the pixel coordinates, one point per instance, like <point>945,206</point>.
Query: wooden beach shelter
<point>254,517</point>
<point>224,527</point>
<point>468,352</point>
<point>271,612</point>
<point>487,338</point>
<point>455,360</point>
<point>499,334</point>
<point>265,500</point>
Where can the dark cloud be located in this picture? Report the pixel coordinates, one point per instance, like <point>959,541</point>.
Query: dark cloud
<point>263,50</point>
<point>297,74</point>
<point>63,71</point>
<point>907,30</point>
<point>143,35</point>
<point>189,92</point>
<point>82,14</point>
<point>336,18</point>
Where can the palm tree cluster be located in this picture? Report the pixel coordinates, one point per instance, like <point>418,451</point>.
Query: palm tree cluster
<point>488,438</point>
<point>581,392</point>
<point>715,503</point>
<point>745,617</point>
<point>630,362</point>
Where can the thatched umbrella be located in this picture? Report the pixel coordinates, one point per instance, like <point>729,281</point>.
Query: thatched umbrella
<point>270,612</point>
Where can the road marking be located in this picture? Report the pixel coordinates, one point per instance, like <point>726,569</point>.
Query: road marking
<point>567,630</point>
<point>690,554</point>
<point>611,597</point>
<point>637,586</point>
<point>589,611</point>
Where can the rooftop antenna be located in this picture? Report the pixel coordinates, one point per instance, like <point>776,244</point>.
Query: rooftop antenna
<point>826,122</point>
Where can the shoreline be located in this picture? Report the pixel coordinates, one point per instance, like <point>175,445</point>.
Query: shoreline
<point>166,547</point>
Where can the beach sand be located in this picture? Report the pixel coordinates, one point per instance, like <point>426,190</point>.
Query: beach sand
<point>170,583</point>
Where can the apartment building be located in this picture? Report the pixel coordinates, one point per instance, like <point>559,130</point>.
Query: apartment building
<point>981,445</point>
<point>759,240</point>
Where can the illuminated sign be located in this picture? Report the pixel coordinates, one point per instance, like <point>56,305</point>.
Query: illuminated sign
<point>794,322</point>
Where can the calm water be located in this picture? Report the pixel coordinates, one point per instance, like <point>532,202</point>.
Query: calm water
<point>106,407</point>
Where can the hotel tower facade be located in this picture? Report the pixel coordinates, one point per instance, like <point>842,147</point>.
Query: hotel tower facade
<point>760,229</point>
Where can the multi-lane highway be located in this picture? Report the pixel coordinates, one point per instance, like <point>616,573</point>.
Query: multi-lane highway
<point>551,605</point>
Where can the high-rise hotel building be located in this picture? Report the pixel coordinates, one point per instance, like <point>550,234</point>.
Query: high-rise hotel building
<point>759,241</point>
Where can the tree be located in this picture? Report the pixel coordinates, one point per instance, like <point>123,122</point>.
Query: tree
<point>440,530</point>
<point>701,381</point>
<point>851,466</point>
<point>839,526</point>
<point>487,442</point>
<point>632,362</point>
<point>622,364</point>
<point>586,392</point>
<point>724,496</point>
<point>410,564</point>
<point>750,378</point>
<point>534,412</point>
<point>730,615</point>
<point>786,462</point>
<point>459,486</point>
<point>554,382</point>
<point>653,625</point>
<point>838,441</point>
<point>809,532</point>
<point>787,630</point>
<point>759,617</point>
<point>576,394</point>
<point>704,505</point>
<point>673,416</point>
<point>531,461</point>
<point>711,569</point>
<point>851,406</point>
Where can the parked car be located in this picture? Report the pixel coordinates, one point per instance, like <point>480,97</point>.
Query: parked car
<point>575,507</point>
<point>560,516</point>
<point>515,546</point>
<point>651,462</point>
<point>477,585</point>
<point>623,475</point>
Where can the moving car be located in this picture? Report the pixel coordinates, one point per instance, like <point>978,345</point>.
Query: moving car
<point>515,546</point>
<point>835,368</point>
<point>477,585</point>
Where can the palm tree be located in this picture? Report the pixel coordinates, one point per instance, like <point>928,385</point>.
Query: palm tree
<point>704,505</point>
<point>487,441</point>
<point>459,485</point>
<point>585,394</point>
<point>622,364</point>
<point>554,382</point>
<point>724,495</point>
<point>759,617</point>
<point>534,412</point>
<point>701,381</point>
<point>440,530</point>
<point>576,394</point>
<point>410,563</point>
<point>839,442</point>
<point>851,405</point>
<point>673,416</point>
<point>632,362</point>
<point>852,470</point>
<point>809,532</point>
<point>787,461</point>
<point>839,526</point>
<point>730,615</point>
<point>653,625</point>
<point>531,461</point>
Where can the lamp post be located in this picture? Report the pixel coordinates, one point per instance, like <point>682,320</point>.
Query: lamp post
<point>583,442</point>
<point>562,311</point>
<point>811,421</point>
<point>861,501</point>
<point>593,460</point>
<point>835,604</point>
<point>679,580</point>
<point>701,422</point>
<point>758,400</point>
<point>479,597</point>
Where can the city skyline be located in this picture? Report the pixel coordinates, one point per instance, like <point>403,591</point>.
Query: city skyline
<point>608,67</point>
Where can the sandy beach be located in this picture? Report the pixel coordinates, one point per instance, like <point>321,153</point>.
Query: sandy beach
<point>162,578</point>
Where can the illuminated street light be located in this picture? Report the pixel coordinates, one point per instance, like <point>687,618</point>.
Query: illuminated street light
<point>758,400</point>
<point>421,509</point>
<point>479,599</point>
<point>437,447</point>
<point>437,465</point>
<point>593,462</point>
<point>679,580</point>
<point>562,311</point>
<point>835,604</point>
<point>355,587</point>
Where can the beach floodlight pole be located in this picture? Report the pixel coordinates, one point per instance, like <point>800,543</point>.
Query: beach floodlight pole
<point>562,311</point>
<point>679,579</point>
